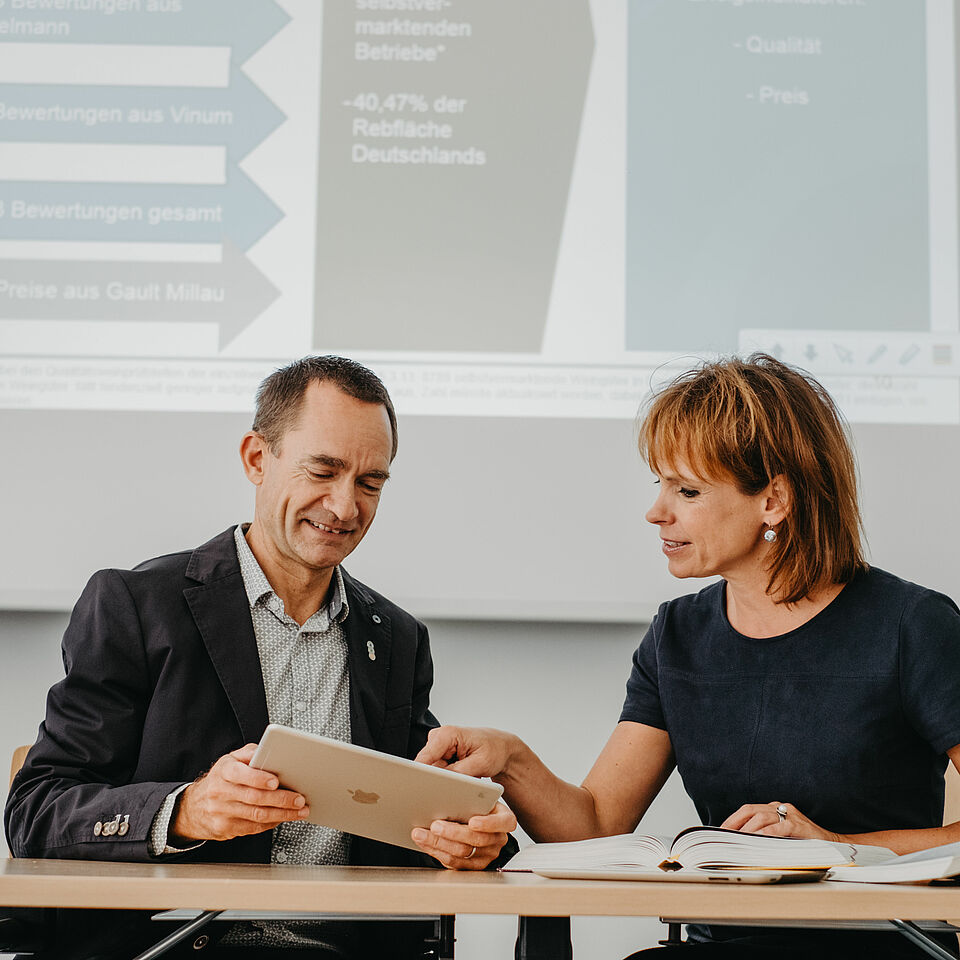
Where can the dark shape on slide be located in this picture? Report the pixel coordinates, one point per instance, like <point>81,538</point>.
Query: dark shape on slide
<point>417,254</point>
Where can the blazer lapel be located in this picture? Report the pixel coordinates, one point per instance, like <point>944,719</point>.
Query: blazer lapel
<point>369,637</point>
<point>222,614</point>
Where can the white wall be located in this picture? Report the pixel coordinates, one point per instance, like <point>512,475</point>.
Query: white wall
<point>560,686</point>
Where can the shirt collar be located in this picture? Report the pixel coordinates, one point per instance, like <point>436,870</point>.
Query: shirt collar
<point>257,586</point>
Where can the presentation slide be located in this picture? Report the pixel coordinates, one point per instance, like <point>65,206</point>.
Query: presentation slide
<point>523,214</point>
<point>517,209</point>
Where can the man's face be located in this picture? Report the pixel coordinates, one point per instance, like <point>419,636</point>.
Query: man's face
<point>319,494</point>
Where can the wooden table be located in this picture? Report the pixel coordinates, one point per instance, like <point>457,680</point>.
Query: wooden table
<point>378,891</point>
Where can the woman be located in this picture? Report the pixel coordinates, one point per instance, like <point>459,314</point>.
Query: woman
<point>804,694</point>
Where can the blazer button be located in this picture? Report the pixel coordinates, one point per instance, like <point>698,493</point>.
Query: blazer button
<point>97,829</point>
<point>125,826</point>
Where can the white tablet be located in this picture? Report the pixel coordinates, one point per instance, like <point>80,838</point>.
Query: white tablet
<point>368,793</point>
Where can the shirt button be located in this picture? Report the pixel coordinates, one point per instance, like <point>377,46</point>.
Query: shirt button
<point>375,618</point>
<point>299,706</point>
<point>281,856</point>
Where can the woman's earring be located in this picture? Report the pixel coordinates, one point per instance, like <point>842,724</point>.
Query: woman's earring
<point>770,535</point>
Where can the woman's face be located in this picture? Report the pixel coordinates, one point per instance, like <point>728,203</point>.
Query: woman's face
<point>709,528</point>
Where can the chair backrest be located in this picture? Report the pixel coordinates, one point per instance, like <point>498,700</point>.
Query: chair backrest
<point>951,799</point>
<point>16,762</point>
<point>19,755</point>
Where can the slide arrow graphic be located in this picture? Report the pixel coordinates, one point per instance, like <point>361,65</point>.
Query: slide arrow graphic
<point>232,293</point>
<point>240,116</point>
<point>171,213</point>
<point>245,27</point>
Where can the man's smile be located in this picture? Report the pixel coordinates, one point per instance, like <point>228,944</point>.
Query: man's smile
<point>317,525</point>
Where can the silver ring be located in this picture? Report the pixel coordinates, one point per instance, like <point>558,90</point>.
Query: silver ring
<point>470,854</point>
<point>782,812</point>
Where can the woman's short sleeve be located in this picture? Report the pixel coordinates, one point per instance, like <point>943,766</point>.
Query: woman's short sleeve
<point>642,704</point>
<point>930,668</point>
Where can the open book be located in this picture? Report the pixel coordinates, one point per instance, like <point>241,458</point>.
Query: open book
<point>696,847</point>
<point>936,863</point>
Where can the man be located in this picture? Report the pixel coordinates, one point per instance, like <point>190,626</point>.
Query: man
<point>174,669</point>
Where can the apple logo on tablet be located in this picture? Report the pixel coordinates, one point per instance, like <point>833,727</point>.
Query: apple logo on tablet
<point>360,797</point>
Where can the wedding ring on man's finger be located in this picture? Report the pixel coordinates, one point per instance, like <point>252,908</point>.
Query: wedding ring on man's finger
<point>470,854</point>
<point>782,812</point>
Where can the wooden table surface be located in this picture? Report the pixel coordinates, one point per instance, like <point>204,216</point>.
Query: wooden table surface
<point>386,890</point>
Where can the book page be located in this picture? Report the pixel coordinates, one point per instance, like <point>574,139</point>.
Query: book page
<point>879,865</point>
<point>865,855</point>
<point>716,847</point>
<point>625,850</point>
<point>894,871</point>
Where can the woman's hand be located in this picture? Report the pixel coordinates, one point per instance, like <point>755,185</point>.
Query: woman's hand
<point>475,751</point>
<point>467,846</point>
<point>766,818</point>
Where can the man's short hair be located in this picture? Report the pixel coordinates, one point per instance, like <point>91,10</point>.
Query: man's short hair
<point>280,396</point>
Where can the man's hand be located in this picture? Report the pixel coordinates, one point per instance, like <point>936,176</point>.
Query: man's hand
<point>467,846</point>
<point>764,818</point>
<point>232,799</point>
<point>471,750</point>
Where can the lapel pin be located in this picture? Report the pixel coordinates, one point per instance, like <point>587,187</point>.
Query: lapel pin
<point>371,650</point>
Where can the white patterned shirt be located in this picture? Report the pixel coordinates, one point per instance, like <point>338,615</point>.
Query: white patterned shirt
<point>307,686</point>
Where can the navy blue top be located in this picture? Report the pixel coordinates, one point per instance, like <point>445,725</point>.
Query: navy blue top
<point>847,717</point>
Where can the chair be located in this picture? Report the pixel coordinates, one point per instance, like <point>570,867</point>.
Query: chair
<point>19,756</point>
<point>951,798</point>
<point>16,762</point>
<point>19,930</point>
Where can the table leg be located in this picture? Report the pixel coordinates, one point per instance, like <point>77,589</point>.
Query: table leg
<point>543,938</point>
<point>181,933</point>
<point>912,932</point>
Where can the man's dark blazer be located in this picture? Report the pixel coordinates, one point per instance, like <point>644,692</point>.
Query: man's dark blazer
<point>163,677</point>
